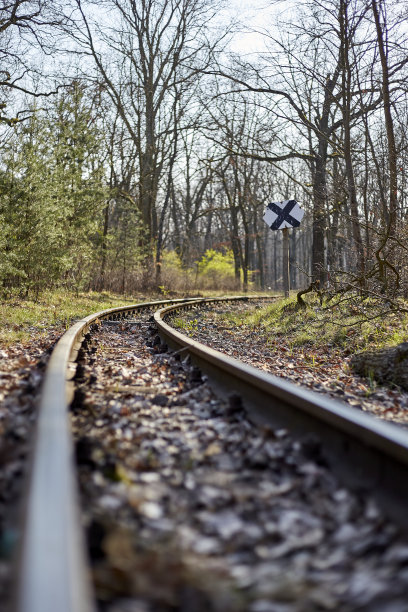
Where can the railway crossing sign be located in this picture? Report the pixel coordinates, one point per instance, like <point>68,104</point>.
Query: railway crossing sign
<point>284,215</point>
<point>281,215</point>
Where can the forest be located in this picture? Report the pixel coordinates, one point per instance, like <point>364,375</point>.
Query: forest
<point>140,143</point>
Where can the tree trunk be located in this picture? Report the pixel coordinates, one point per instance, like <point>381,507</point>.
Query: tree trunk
<point>104,248</point>
<point>389,125</point>
<point>346,110</point>
<point>160,229</point>
<point>319,220</point>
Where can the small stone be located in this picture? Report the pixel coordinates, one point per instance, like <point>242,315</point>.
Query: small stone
<point>397,554</point>
<point>206,546</point>
<point>226,524</point>
<point>110,502</point>
<point>346,533</point>
<point>149,477</point>
<point>151,510</point>
<point>160,400</point>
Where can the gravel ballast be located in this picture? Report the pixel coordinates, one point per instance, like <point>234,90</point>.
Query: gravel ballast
<point>326,371</point>
<point>190,506</point>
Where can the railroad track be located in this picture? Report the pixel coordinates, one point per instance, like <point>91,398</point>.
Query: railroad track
<point>53,569</point>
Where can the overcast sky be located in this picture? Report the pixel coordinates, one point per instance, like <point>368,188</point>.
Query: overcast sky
<point>260,15</point>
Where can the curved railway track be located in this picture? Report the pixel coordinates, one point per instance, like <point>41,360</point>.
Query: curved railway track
<point>367,452</point>
<point>53,566</point>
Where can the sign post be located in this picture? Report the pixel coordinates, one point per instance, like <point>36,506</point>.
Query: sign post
<point>285,261</point>
<point>283,215</point>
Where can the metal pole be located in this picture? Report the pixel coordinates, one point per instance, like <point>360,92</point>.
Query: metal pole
<point>285,261</point>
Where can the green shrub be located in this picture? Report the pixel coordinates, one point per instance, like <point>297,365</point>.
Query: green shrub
<point>174,276</point>
<point>216,270</point>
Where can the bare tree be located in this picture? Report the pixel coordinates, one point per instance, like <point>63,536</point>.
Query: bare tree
<point>148,55</point>
<point>347,29</point>
<point>305,81</point>
<point>27,27</point>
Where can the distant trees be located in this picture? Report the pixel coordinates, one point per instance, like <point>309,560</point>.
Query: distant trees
<point>148,58</point>
<point>153,138</point>
<point>319,79</point>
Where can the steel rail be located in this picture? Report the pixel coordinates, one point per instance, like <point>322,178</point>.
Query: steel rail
<point>52,572</point>
<point>368,454</point>
<point>52,569</point>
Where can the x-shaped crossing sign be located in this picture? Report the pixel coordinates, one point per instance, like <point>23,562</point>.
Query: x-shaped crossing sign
<point>279,215</point>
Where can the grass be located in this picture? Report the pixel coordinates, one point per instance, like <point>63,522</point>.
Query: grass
<point>20,319</point>
<point>185,324</point>
<point>315,326</point>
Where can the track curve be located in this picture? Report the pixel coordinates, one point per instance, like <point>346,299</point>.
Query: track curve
<point>52,569</point>
<point>365,452</point>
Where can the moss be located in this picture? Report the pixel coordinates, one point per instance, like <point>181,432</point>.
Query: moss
<point>344,326</point>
